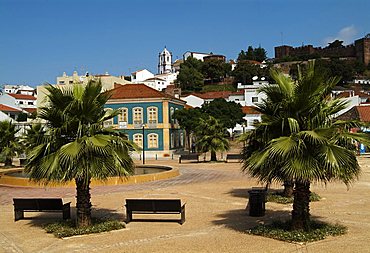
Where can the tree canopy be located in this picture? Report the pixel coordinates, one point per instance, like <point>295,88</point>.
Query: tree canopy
<point>190,77</point>
<point>228,113</point>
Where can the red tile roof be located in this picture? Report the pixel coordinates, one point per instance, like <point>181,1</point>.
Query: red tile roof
<point>22,96</point>
<point>30,110</point>
<point>363,113</point>
<point>213,94</point>
<point>130,91</point>
<point>250,110</point>
<point>6,108</point>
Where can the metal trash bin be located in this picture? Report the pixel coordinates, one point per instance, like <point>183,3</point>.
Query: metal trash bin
<point>257,199</point>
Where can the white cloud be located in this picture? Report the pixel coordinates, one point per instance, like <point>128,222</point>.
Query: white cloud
<point>347,34</point>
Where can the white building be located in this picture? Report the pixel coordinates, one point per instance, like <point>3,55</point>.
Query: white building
<point>19,89</point>
<point>24,101</point>
<point>195,55</point>
<point>165,62</point>
<point>193,100</point>
<point>156,83</point>
<point>106,79</point>
<point>141,75</point>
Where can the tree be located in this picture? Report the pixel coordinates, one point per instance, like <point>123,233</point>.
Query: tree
<point>260,54</point>
<point>312,146</point>
<point>335,44</point>
<point>210,136</point>
<point>188,120</point>
<point>9,143</point>
<point>253,54</point>
<point>76,146</point>
<point>245,71</point>
<point>213,69</point>
<point>228,113</point>
<point>190,76</point>
<point>249,55</point>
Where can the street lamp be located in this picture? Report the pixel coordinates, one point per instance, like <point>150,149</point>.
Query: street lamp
<point>143,128</point>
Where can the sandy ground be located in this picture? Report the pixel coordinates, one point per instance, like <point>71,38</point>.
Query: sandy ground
<point>216,217</point>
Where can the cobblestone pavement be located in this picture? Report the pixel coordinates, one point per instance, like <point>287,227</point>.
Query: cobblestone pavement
<point>189,175</point>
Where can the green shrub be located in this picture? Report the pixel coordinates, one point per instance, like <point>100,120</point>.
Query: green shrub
<point>278,198</point>
<point>281,231</point>
<point>68,228</point>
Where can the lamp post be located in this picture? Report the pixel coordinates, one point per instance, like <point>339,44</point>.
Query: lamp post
<point>143,128</point>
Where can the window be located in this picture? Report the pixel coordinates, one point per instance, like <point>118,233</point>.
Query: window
<point>152,115</point>
<point>108,122</point>
<point>172,111</point>
<point>123,115</point>
<point>30,103</point>
<point>176,119</point>
<point>70,82</point>
<point>61,82</point>
<point>138,140</point>
<point>254,99</point>
<point>172,140</point>
<point>182,139</point>
<point>153,141</point>
<point>21,102</point>
<point>138,115</point>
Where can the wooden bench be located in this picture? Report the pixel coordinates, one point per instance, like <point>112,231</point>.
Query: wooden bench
<point>234,157</point>
<point>154,206</point>
<point>22,205</point>
<point>189,157</point>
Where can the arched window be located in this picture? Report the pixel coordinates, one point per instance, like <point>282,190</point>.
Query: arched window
<point>172,140</point>
<point>176,122</point>
<point>153,140</point>
<point>137,115</point>
<point>123,115</point>
<point>152,115</point>
<point>109,122</point>
<point>182,139</point>
<point>138,140</point>
<point>172,111</point>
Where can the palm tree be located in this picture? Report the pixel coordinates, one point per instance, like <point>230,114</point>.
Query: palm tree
<point>211,136</point>
<point>76,146</point>
<point>9,143</point>
<point>312,146</point>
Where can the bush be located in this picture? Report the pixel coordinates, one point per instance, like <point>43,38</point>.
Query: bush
<point>278,198</point>
<point>68,228</point>
<point>281,231</point>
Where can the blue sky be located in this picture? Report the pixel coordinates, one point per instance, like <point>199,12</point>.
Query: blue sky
<point>42,38</point>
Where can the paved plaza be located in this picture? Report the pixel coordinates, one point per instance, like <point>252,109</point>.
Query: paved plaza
<point>216,218</point>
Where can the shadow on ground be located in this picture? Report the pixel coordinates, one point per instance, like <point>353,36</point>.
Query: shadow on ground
<point>41,219</point>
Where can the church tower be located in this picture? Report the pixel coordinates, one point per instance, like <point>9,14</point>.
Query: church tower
<point>165,62</point>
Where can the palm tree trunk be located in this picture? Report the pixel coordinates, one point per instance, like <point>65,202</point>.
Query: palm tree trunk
<point>301,206</point>
<point>83,204</point>
<point>213,156</point>
<point>288,189</point>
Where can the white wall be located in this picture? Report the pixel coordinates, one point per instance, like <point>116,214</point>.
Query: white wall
<point>141,76</point>
<point>193,101</point>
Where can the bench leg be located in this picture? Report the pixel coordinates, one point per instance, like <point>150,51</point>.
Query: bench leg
<point>128,216</point>
<point>66,213</point>
<point>182,216</point>
<point>18,214</point>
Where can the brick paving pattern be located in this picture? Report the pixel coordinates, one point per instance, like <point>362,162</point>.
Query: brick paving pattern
<point>188,175</point>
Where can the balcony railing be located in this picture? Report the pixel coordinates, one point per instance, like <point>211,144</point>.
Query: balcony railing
<point>152,124</point>
<point>138,123</point>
